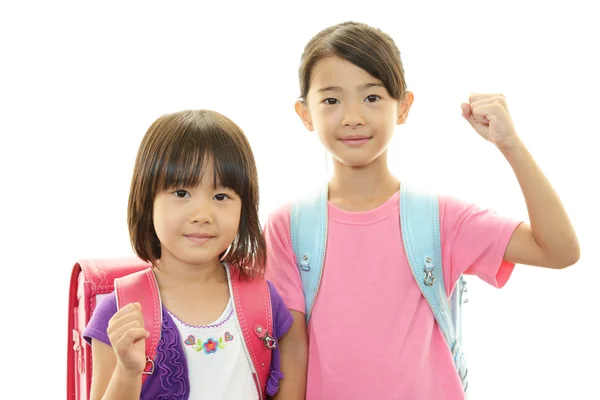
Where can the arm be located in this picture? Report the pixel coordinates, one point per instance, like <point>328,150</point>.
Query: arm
<point>118,366</point>
<point>550,241</point>
<point>283,274</point>
<point>293,349</point>
<point>108,381</point>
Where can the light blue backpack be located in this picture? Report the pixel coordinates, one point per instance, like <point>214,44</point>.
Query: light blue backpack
<point>420,226</point>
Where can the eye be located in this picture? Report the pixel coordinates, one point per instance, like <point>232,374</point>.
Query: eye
<point>372,98</point>
<point>221,197</point>
<point>330,101</point>
<point>182,194</point>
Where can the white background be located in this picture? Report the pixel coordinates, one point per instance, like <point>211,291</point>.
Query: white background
<point>80,83</point>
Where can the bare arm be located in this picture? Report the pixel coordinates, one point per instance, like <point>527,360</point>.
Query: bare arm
<point>110,382</point>
<point>550,241</point>
<point>118,368</point>
<point>293,348</point>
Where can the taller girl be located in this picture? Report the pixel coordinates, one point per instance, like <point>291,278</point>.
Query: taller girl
<point>371,333</point>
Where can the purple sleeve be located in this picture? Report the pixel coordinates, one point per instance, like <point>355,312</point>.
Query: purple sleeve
<point>282,321</point>
<point>282,317</point>
<point>96,328</point>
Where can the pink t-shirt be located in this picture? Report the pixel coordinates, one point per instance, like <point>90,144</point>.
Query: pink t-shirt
<point>372,334</point>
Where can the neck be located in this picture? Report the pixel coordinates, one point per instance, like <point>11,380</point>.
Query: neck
<point>362,188</point>
<point>172,272</point>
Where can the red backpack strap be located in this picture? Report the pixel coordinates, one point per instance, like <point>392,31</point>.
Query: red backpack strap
<point>141,287</point>
<point>253,308</point>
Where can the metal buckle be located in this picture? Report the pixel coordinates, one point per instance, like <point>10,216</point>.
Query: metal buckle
<point>270,342</point>
<point>151,371</point>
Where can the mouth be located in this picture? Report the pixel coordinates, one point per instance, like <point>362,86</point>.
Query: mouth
<point>199,238</point>
<point>355,141</point>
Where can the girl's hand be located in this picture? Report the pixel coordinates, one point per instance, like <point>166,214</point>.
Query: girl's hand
<point>489,116</point>
<point>128,339</point>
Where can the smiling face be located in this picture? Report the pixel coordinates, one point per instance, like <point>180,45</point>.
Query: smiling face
<point>195,225</point>
<point>194,194</point>
<point>351,111</point>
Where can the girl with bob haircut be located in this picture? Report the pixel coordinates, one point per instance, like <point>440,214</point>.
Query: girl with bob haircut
<point>193,214</point>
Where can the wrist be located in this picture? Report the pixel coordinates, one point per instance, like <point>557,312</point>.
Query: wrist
<point>512,147</point>
<point>125,374</point>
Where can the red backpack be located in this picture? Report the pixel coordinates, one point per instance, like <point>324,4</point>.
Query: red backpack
<point>134,281</point>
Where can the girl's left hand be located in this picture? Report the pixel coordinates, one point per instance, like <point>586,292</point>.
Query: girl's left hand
<point>489,116</point>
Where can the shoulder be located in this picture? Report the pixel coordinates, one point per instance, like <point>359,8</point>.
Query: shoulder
<point>280,216</point>
<point>106,307</point>
<point>282,317</point>
<point>453,206</point>
<point>458,214</point>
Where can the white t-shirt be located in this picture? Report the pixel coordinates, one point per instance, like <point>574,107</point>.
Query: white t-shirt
<point>216,359</point>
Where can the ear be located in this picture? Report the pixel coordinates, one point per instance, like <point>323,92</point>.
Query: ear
<point>302,111</point>
<point>404,107</point>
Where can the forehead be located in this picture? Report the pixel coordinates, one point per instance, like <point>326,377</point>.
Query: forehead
<point>336,71</point>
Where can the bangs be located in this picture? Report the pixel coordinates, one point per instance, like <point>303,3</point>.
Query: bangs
<point>192,152</point>
<point>368,48</point>
<point>368,51</point>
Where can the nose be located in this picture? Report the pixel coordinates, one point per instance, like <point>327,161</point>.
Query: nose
<point>202,213</point>
<point>353,117</point>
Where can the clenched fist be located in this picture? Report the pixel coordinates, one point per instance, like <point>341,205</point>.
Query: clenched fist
<point>489,116</point>
<point>128,338</point>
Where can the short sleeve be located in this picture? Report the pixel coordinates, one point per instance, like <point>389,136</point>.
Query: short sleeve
<point>282,317</point>
<point>281,267</point>
<point>474,241</point>
<point>96,328</point>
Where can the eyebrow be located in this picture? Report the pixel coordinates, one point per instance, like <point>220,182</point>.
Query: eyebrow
<point>361,87</point>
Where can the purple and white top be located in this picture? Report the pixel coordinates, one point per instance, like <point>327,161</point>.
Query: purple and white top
<point>200,361</point>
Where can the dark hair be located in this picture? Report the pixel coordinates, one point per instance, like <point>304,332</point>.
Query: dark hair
<point>172,154</point>
<point>364,46</point>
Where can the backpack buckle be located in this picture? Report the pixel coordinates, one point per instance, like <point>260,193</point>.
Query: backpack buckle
<point>305,263</point>
<point>265,336</point>
<point>270,342</point>
<point>149,369</point>
<point>429,279</point>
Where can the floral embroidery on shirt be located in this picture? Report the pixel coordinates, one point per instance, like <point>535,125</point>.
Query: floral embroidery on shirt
<point>211,345</point>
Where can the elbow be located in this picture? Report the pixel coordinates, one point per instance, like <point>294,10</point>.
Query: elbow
<point>572,259</point>
<point>568,257</point>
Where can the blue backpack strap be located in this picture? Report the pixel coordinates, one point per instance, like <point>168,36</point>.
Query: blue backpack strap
<point>420,226</point>
<point>308,227</point>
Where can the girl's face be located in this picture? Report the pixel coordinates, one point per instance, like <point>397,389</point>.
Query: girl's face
<point>196,224</point>
<point>351,111</point>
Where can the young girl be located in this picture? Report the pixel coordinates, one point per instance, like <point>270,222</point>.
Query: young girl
<point>193,213</point>
<point>372,334</point>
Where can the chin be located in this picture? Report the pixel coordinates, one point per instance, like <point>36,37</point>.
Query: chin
<point>197,259</point>
<point>355,162</point>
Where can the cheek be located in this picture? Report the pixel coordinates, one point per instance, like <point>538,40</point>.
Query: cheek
<point>392,114</point>
<point>327,121</point>
<point>165,218</point>
<point>233,220</point>
<point>384,119</point>
<point>159,222</point>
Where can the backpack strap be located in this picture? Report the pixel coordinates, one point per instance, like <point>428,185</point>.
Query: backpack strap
<point>141,287</point>
<point>252,302</point>
<point>420,227</point>
<point>308,225</point>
